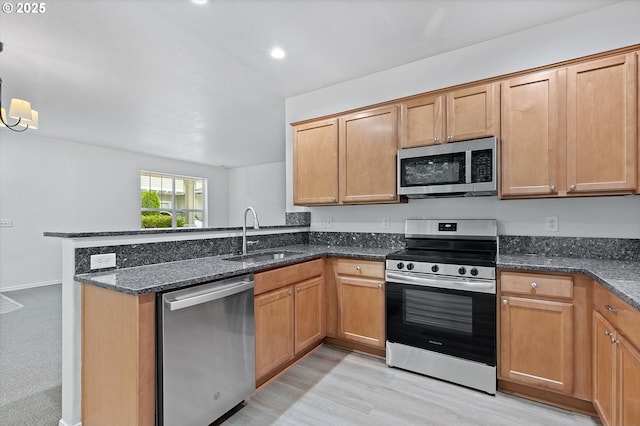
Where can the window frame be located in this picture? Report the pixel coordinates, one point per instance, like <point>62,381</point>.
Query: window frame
<point>174,210</point>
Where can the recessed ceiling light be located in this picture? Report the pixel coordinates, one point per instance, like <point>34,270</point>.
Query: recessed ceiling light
<point>277,53</point>
<point>199,1</point>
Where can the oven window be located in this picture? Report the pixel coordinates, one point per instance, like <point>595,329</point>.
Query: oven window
<point>447,312</point>
<point>443,169</point>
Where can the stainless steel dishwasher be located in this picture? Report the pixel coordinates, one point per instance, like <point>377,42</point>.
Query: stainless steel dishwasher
<point>206,351</point>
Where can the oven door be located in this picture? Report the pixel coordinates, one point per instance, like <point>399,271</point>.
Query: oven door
<point>454,322</point>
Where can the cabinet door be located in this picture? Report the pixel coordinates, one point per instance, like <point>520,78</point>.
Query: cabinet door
<point>601,125</point>
<point>274,330</point>
<point>603,368</point>
<point>309,313</point>
<point>362,316</point>
<point>315,163</point>
<point>628,389</point>
<point>536,343</point>
<point>368,149</point>
<point>422,121</point>
<point>473,112</point>
<point>530,135</point>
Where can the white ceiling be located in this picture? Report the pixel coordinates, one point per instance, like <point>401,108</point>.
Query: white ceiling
<point>196,83</point>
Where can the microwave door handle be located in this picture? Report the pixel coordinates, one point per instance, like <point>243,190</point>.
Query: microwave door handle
<point>467,170</point>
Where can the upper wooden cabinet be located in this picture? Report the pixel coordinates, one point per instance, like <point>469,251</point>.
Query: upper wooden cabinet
<point>348,160</point>
<point>530,134</point>
<point>315,163</point>
<point>462,114</point>
<point>368,147</point>
<point>571,131</point>
<point>601,125</point>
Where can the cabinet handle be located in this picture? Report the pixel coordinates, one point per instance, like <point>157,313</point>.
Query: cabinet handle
<point>572,188</point>
<point>391,195</point>
<point>552,188</point>
<point>610,308</point>
<point>290,292</point>
<point>534,285</point>
<point>436,139</point>
<point>608,333</point>
<point>450,137</point>
<point>505,302</point>
<point>380,285</point>
<point>614,341</point>
<point>357,268</point>
<point>298,289</point>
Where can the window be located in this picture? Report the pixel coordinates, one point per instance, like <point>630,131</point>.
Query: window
<point>170,201</point>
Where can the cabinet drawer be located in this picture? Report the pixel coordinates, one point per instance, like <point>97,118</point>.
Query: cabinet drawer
<point>360,268</point>
<point>537,284</point>
<point>618,312</point>
<point>276,278</point>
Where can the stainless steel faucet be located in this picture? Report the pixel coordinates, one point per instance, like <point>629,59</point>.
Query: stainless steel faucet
<point>256,225</point>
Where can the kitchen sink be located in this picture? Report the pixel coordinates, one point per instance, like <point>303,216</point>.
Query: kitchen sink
<point>262,257</point>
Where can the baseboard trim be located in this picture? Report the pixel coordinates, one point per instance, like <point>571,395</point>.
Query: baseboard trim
<point>30,285</point>
<point>566,402</point>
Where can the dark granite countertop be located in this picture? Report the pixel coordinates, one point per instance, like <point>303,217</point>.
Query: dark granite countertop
<point>174,275</point>
<point>620,277</point>
<point>159,231</point>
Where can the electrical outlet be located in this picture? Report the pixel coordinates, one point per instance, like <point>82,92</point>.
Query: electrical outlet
<point>323,222</point>
<point>99,261</point>
<point>551,223</point>
<point>328,221</point>
<point>386,222</point>
<point>6,223</point>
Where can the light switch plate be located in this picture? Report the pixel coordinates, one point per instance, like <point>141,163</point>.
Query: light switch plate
<point>551,223</point>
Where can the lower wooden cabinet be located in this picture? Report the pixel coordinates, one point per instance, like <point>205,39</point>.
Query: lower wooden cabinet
<point>616,360</point>
<point>356,303</point>
<point>537,342</point>
<point>274,330</point>
<point>289,314</point>
<point>545,337</point>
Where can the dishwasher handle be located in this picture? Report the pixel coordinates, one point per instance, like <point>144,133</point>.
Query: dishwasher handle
<point>198,297</point>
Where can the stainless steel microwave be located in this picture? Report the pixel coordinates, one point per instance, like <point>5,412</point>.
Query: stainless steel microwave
<point>454,169</point>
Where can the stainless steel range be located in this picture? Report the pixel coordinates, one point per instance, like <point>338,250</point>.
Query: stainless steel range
<point>441,301</point>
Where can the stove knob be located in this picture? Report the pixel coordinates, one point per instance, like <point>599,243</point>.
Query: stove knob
<point>435,268</point>
<point>474,272</point>
<point>462,270</point>
<point>400,265</point>
<point>410,266</point>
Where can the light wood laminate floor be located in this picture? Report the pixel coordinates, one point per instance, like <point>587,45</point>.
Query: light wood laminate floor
<point>335,387</point>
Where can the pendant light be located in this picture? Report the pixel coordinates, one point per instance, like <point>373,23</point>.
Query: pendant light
<point>19,110</point>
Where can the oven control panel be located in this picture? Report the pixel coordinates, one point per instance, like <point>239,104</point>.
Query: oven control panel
<point>482,272</point>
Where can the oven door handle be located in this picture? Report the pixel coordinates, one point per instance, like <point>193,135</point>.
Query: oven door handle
<point>441,282</point>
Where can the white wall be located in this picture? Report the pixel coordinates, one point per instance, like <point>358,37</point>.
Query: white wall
<point>263,188</point>
<point>600,30</point>
<point>52,185</point>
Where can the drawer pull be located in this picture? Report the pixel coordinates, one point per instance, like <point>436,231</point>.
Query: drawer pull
<point>614,341</point>
<point>290,292</point>
<point>505,302</point>
<point>534,284</point>
<point>610,308</point>
<point>357,268</point>
<point>379,285</point>
<point>608,333</point>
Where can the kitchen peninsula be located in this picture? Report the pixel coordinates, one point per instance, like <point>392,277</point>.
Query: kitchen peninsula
<point>620,276</point>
